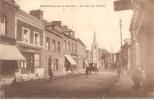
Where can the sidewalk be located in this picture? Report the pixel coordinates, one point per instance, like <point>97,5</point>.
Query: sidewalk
<point>123,89</point>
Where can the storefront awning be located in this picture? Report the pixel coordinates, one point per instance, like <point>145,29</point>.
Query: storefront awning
<point>70,59</point>
<point>10,52</point>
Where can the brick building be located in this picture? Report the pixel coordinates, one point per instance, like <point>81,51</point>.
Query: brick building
<point>53,51</point>
<point>29,31</point>
<point>36,45</point>
<point>81,55</point>
<point>9,53</point>
<point>70,50</point>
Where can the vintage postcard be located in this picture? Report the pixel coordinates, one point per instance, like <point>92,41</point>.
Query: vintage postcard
<point>76,49</point>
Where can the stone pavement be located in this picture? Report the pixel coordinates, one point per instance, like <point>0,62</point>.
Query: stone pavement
<point>122,89</point>
<point>93,86</point>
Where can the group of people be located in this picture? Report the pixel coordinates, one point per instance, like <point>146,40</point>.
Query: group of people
<point>89,68</point>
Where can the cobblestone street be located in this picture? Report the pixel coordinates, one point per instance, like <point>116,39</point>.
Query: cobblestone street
<point>95,85</point>
<point>123,89</point>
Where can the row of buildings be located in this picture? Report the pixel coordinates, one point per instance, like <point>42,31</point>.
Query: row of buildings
<point>121,58</point>
<point>142,38</point>
<point>30,46</point>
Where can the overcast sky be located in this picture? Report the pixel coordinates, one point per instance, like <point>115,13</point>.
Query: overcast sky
<point>103,20</point>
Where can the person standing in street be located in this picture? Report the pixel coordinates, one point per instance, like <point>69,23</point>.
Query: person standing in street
<point>136,76</point>
<point>87,70</point>
<point>119,72</point>
<point>50,73</point>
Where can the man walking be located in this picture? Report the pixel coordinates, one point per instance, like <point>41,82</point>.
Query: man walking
<point>50,73</point>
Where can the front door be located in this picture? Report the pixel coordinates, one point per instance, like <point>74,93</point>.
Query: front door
<point>49,63</point>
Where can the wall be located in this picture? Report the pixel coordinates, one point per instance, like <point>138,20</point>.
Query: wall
<point>9,12</point>
<point>21,24</point>
<point>54,55</point>
<point>81,55</point>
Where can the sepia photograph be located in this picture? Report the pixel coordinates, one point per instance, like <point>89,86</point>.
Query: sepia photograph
<point>76,49</point>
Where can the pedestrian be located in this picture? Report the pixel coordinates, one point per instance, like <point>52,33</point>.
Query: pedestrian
<point>87,70</point>
<point>50,73</point>
<point>137,77</point>
<point>119,72</point>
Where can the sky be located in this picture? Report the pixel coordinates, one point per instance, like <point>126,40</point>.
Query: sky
<point>86,17</point>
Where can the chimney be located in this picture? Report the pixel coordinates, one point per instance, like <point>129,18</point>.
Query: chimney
<point>58,23</point>
<point>37,13</point>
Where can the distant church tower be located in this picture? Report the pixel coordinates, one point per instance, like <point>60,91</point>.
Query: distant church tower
<point>94,51</point>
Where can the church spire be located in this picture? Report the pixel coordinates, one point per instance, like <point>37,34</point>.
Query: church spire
<point>94,38</point>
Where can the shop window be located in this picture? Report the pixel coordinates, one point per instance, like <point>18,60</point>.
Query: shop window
<point>36,38</point>
<point>23,64</point>
<point>2,26</point>
<point>26,35</point>
<point>36,60</point>
<point>8,67</point>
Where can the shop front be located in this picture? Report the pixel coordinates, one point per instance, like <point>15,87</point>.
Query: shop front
<point>9,57</point>
<point>70,64</point>
<point>31,68</point>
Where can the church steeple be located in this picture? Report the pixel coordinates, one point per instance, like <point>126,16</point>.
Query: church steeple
<point>94,51</point>
<point>94,38</point>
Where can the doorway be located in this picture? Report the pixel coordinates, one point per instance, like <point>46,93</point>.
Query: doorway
<point>49,63</point>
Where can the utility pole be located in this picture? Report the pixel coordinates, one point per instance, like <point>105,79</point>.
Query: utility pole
<point>121,61</point>
<point>120,21</point>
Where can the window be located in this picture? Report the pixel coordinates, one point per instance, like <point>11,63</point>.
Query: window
<point>68,46</point>
<point>54,45</point>
<point>36,60</point>
<point>2,26</point>
<point>55,64</point>
<point>23,64</point>
<point>72,47</point>
<point>36,38</point>
<point>64,45</point>
<point>58,46</point>
<point>26,35</point>
<point>48,43</point>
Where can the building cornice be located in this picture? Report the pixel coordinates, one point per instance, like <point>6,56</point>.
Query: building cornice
<point>29,45</point>
<point>27,18</point>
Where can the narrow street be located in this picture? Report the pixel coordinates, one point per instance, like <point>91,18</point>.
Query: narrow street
<point>96,85</point>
